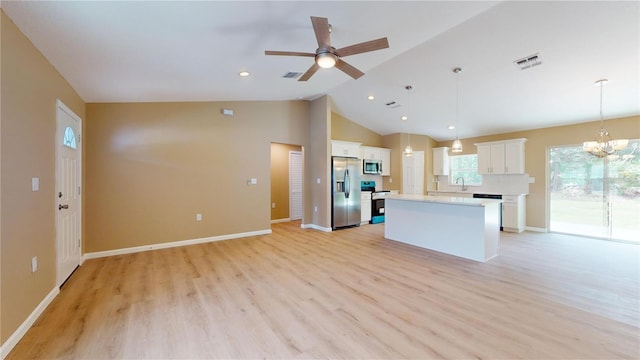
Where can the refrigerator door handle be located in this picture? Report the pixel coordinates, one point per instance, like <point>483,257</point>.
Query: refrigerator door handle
<point>347,181</point>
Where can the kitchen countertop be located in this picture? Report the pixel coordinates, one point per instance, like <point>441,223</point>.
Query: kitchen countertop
<point>451,200</point>
<point>473,192</point>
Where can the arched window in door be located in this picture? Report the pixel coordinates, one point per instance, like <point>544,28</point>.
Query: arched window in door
<point>69,139</point>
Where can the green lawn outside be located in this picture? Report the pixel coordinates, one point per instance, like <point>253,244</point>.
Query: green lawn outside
<point>587,211</point>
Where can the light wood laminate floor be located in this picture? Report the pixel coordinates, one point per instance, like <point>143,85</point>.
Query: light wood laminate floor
<point>299,294</point>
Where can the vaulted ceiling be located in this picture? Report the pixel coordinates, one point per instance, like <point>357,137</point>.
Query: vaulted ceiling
<point>125,51</point>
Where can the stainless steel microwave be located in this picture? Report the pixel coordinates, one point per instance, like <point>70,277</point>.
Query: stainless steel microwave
<point>373,167</point>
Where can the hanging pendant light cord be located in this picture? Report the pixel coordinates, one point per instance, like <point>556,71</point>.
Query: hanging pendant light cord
<point>457,101</point>
<point>601,117</point>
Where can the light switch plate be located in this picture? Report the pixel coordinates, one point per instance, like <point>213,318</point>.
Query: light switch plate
<point>35,184</point>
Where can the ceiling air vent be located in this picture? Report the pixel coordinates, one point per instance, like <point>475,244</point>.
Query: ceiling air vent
<point>392,104</point>
<point>528,62</point>
<point>292,75</point>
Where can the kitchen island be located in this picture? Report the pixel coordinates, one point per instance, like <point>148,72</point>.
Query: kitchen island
<point>465,227</point>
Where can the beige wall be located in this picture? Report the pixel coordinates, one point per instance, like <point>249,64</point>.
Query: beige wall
<point>347,130</point>
<point>538,142</point>
<point>318,170</point>
<point>30,87</point>
<point>397,143</point>
<point>280,179</point>
<point>151,167</point>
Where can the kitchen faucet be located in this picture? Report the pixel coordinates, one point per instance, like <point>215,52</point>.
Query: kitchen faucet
<point>464,188</point>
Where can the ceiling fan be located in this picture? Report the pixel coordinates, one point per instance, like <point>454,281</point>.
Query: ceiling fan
<point>326,56</point>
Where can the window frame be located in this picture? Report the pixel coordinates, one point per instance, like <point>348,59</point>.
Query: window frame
<point>469,180</point>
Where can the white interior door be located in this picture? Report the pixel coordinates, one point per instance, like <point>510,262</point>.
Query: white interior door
<point>68,192</point>
<point>295,185</point>
<point>413,173</point>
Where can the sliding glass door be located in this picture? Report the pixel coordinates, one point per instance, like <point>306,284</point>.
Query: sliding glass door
<point>598,197</point>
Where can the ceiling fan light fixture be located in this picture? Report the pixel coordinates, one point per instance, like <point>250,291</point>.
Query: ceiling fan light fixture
<point>326,60</point>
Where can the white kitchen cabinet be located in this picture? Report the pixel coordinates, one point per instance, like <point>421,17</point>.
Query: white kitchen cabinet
<point>376,153</point>
<point>501,157</point>
<point>513,213</point>
<point>365,207</point>
<point>385,156</point>
<point>369,153</point>
<point>441,161</point>
<point>345,148</point>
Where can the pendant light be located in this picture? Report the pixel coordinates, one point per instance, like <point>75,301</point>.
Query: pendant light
<point>408,151</point>
<point>457,144</point>
<point>603,145</point>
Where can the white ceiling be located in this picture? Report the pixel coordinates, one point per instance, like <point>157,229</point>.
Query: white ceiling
<point>124,51</point>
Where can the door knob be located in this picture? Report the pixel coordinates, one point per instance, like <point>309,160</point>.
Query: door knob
<point>60,207</point>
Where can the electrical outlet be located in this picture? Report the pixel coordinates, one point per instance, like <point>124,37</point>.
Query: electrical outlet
<point>34,264</point>
<point>390,180</point>
<point>315,209</point>
<point>273,205</point>
<point>198,217</point>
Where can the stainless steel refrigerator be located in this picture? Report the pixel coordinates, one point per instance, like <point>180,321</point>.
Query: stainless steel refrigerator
<point>345,179</point>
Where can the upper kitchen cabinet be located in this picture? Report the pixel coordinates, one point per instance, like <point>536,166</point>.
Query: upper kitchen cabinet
<point>345,148</point>
<point>501,157</point>
<point>376,153</point>
<point>441,161</point>
<point>385,156</point>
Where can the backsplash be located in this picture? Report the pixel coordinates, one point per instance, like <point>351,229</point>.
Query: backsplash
<point>376,178</point>
<point>491,184</point>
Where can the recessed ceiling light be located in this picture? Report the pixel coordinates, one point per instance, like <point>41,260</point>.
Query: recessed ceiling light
<point>403,117</point>
<point>244,73</point>
<point>370,97</point>
<point>451,127</point>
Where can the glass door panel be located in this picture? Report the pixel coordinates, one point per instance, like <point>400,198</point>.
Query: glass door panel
<point>598,197</point>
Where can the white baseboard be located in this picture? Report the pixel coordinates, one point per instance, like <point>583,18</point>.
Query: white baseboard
<point>316,227</point>
<point>280,220</point>
<point>99,254</point>
<point>11,342</point>
<point>535,229</point>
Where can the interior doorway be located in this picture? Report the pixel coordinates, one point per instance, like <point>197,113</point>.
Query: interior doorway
<point>596,197</point>
<point>287,185</point>
<point>68,192</point>
<point>413,173</point>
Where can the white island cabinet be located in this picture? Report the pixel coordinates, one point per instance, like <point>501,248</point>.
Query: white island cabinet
<point>464,227</point>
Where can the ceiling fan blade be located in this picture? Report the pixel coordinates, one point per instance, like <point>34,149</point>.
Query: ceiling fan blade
<point>348,69</point>
<point>321,28</point>
<point>289,53</point>
<point>312,70</point>
<point>366,46</point>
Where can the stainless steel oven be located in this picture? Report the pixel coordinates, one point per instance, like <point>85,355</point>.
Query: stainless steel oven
<point>377,206</point>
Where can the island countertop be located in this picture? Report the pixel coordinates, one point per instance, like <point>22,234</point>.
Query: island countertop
<point>452,200</point>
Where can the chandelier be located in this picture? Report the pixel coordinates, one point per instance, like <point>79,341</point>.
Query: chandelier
<point>603,145</point>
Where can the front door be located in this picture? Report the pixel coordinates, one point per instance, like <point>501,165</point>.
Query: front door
<point>68,192</point>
